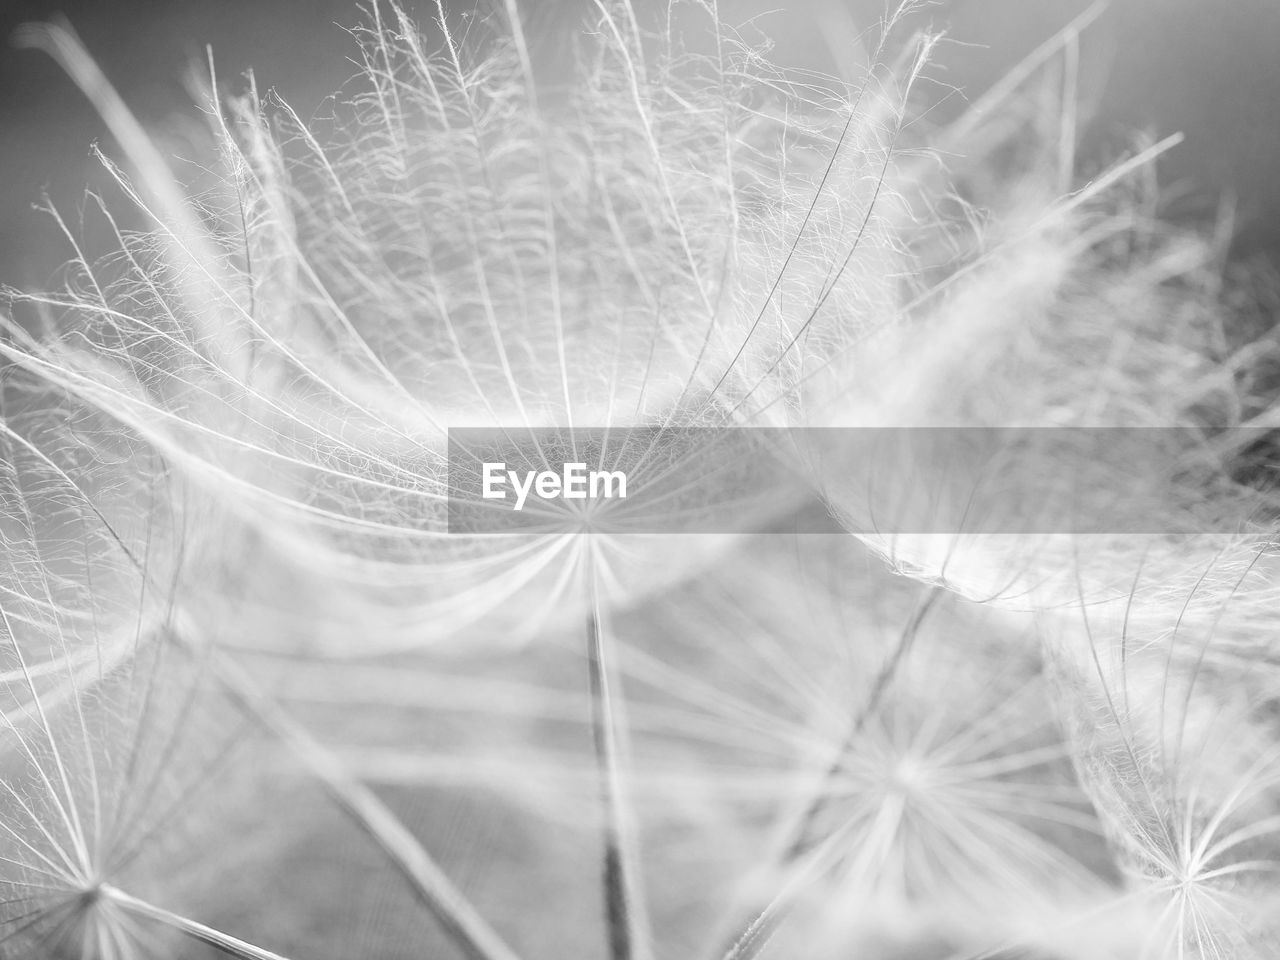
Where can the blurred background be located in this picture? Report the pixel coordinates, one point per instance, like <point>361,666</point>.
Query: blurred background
<point>1208,69</point>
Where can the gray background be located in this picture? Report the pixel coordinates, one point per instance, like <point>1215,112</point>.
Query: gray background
<point>1210,68</point>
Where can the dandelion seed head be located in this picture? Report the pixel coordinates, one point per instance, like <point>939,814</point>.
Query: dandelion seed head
<point>681,238</point>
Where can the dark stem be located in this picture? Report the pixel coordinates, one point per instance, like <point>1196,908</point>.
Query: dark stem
<point>621,902</point>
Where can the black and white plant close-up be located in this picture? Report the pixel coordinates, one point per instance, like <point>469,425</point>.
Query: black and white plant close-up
<point>601,483</point>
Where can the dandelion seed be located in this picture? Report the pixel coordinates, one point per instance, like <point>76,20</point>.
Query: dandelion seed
<point>267,380</point>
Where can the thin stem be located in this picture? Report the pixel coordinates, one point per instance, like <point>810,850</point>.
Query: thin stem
<point>756,934</point>
<point>232,946</point>
<point>759,931</point>
<point>906,640</point>
<point>623,900</point>
<point>431,885</point>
